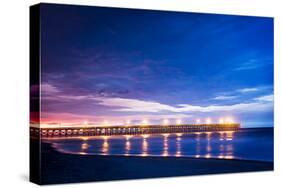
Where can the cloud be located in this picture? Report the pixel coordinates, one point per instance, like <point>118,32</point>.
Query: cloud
<point>264,88</point>
<point>239,107</point>
<point>247,90</point>
<point>48,89</point>
<point>268,98</point>
<point>135,105</point>
<point>253,64</point>
<point>224,97</point>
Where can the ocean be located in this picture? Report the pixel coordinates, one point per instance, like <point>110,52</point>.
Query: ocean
<point>245,144</point>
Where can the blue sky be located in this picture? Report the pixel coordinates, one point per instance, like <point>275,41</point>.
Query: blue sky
<point>114,65</point>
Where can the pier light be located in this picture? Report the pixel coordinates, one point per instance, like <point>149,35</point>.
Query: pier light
<point>165,121</point>
<point>178,121</point>
<point>198,121</point>
<point>208,121</point>
<point>105,122</point>
<point>86,124</point>
<point>144,122</point>
<point>229,120</point>
<point>128,122</point>
<point>221,121</point>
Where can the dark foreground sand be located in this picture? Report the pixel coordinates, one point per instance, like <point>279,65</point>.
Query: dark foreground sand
<point>69,168</point>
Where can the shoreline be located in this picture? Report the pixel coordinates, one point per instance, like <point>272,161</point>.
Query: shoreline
<point>57,167</point>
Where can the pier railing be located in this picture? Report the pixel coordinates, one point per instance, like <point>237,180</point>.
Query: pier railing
<point>129,130</point>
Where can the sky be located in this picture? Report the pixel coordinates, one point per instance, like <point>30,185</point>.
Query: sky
<point>110,66</point>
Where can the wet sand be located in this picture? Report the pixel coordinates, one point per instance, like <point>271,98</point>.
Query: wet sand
<point>70,168</point>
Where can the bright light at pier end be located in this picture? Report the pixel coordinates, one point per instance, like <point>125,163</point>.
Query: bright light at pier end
<point>229,120</point>
<point>85,122</point>
<point>198,121</point>
<point>178,121</point>
<point>105,122</point>
<point>128,122</point>
<point>208,121</point>
<point>144,122</point>
<point>221,120</point>
<point>165,121</point>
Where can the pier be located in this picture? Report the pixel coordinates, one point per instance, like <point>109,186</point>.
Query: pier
<point>129,130</point>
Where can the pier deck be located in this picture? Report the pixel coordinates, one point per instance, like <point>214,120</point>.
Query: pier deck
<point>129,130</point>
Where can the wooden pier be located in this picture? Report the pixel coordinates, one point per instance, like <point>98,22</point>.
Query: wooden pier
<point>129,130</point>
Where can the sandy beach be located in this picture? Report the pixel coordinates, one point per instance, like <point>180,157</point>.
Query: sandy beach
<point>70,168</point>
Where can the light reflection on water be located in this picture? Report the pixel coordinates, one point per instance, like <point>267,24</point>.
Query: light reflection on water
<point>165,145</point>
<point>222,145</point>
<point>105,146</point>
<point>178,153</point>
